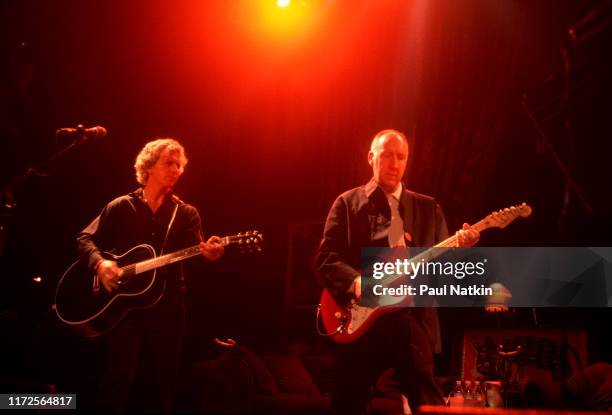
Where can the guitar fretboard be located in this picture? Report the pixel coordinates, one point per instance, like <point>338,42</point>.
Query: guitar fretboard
<point>167,259</point>
<point>435,252</point>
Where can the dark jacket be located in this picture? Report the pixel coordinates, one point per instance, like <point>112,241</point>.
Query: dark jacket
<point>361,217</point>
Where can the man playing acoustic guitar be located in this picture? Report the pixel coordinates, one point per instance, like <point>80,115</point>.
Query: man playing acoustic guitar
<point>378,214</point>
<point>150,215</point>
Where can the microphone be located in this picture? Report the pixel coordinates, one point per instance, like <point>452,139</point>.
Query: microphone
<point>82,132</point>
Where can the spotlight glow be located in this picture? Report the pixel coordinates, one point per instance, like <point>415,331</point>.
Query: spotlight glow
<point>282,20</point>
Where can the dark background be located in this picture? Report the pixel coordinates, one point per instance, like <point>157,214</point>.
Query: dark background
<point>277,121</point>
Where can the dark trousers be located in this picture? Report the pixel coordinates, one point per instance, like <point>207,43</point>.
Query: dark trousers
<point>398,341</point>
<point>154,333</point>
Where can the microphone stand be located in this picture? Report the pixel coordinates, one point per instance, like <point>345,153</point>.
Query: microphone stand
<point>591,24</point>
<point>571,183</point>
<point>38,170</point>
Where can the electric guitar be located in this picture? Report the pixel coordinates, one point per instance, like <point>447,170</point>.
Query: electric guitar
<point>83,304</point>
<point>345,324</point>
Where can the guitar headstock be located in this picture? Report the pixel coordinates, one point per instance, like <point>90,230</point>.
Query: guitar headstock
<point>503,217</point>
<point>247,242</point>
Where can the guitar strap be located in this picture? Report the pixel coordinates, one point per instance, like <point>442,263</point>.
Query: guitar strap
<point>169,226</point>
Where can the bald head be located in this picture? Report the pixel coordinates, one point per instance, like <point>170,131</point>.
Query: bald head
<point>382,136</point>
<point>388,157</point>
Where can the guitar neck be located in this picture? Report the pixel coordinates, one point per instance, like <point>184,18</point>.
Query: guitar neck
<point>161,261</point>
<point>177,256</point>
<point>434,252</point>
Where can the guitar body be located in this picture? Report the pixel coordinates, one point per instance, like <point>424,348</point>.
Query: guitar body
<point>93,311</point>
<point>345,324</point>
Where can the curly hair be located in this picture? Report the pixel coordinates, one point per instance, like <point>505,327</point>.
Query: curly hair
<point>150,153</point>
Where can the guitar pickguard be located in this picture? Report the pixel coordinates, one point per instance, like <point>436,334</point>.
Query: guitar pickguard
<point>359,315</point>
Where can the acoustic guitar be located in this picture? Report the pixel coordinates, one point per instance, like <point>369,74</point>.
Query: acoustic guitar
<point>83,304</point>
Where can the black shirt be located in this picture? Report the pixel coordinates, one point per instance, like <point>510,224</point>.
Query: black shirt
<point>128,221</point>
